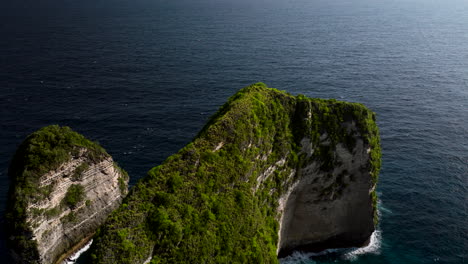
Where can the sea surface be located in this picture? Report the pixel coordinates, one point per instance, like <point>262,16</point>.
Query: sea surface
<point>143,76</point>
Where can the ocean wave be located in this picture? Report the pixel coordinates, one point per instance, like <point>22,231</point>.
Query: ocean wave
<point>73,258</point>
<point>351,254</point>
<point>373,247</point>
<point>297,258</point>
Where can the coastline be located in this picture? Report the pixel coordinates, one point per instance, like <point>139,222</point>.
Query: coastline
<point>373,247</point>
<point>82,244</point>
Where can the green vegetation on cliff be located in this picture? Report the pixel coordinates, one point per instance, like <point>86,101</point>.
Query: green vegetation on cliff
<point>41,152</point>
<point>74,195</point>
<point>213,202</point>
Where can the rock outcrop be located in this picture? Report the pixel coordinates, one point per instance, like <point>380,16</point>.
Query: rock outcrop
<point>63,187</point>
<point>270,173</point>
<point>329,209</point>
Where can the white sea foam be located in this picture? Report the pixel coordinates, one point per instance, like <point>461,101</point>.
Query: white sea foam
<point>297,258</point>
<point>351,254</point>
<point>373,247</point>
<point>347,253</point>
<point>72,259</point>
<point>375,241</point>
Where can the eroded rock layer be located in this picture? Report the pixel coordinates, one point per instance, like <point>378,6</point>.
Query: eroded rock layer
<point>268,174</point>
<point>63,187</point>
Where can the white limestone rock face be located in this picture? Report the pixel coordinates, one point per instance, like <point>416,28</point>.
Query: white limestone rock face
<point>61,226</point>
<point>328,208</point>
<point>58,226</point>
<point>63,187</point>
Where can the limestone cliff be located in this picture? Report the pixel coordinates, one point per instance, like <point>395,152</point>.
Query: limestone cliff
<point>268,174</point>
<point>62,188</point>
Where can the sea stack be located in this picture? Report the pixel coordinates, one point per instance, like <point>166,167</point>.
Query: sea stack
<point>62,189</point>
<point>270,173</point>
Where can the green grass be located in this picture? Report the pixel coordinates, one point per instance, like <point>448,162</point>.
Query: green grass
<point>202,205</point>
<point>123,179</point>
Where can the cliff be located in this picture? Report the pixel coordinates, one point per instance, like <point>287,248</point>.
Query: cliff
<point>268,174</point>
<point>63,187</point>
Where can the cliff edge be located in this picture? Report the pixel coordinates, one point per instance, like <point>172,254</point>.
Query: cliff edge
<point>63,187</point>
<point>270,173</point>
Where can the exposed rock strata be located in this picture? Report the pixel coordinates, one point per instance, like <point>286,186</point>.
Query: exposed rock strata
<point>269,173</point>
<point>329,209</point>
<point>55,221</point>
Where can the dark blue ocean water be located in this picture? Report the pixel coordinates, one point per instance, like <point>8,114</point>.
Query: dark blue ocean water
<point>143,76</point>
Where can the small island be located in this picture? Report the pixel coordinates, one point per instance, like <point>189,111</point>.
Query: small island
<point>63,187</point>
<point>269,173</point>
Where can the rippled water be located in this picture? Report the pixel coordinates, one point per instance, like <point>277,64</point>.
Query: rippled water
<point>143,76</point>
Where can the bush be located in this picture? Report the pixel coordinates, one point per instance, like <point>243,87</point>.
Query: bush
<point>74,195</point>
<point>78,172</point>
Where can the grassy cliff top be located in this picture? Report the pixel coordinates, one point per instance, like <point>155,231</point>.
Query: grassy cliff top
<point>49,147</point>
<point>202,205</point>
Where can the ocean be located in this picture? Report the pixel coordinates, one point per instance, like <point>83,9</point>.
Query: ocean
<point>143,76</point>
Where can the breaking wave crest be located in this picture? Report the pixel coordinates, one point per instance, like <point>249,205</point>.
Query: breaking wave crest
<point>343,253</point>
<point>73,258</point>
<point>373,247</point>
<point>350,254</point>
